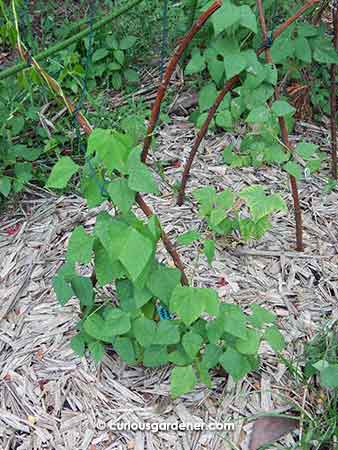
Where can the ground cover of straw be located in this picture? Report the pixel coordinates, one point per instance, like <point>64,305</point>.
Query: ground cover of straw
<point>50,398</point>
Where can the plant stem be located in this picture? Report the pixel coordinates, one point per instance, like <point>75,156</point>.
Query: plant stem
<point>170,70</point>
<point>285,139</point>
<point>309,4</point>
<point>229,85</point>
<point>51,82</point>
<point>333,97</point>
<point>66,43</point>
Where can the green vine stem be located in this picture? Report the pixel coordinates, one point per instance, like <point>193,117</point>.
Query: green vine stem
<point>66,43</point>
<point>229,85</point>
<point>185,41</point>
<point>285,139</point>
<point>333,97</point>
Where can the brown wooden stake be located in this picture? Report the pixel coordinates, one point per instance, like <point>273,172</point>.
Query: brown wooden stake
<point>166,241</point>
<point>229,85</point>
<point>200,136</point>
<point>285,139</point>
<point>296,16</point>
<point>294,190</point>
<point>333,97</point>
<point>155,112</point>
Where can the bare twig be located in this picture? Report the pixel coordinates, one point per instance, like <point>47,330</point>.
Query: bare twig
<point>229,85</point>
<point>170,70</point>
<point>294,189</point>
<point>334,96</point>
<point>293,18</point>
<point>285,139</point>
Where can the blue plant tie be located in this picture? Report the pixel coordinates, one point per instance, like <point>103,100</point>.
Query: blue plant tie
<point>163,313</point>
<point>267,43</point>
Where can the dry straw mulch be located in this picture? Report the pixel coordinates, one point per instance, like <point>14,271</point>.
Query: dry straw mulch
<point>51,399</point>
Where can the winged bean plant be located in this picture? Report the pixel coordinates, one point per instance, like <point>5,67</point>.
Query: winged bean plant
<point>198,331</point>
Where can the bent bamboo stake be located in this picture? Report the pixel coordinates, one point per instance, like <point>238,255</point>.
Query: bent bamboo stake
<point>170,70</point>
<point>333,97</point>
<point>228,87</point>
<point>66,43</point>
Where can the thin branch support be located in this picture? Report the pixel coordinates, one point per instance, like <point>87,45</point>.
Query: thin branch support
<point>170,70</point>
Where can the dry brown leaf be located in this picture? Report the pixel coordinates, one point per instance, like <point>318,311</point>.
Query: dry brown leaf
<point>269,429</point>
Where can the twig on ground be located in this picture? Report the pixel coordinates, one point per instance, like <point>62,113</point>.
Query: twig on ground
<point>277,254</point>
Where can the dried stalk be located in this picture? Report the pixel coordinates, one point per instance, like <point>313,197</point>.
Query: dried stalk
<point>170,70</point>
<point>333,97</point>
<point>285,139</point>
<point>200,135</point>
<point>229,85</point>
<point>51,82</point>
